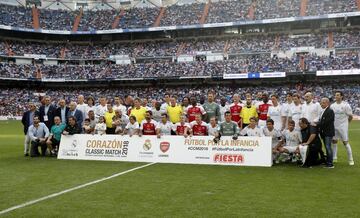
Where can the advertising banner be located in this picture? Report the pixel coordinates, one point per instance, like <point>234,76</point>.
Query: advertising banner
<point>245,151</point>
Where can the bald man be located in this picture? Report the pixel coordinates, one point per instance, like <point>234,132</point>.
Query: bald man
<point>327,129</point>
<point>75,113</point>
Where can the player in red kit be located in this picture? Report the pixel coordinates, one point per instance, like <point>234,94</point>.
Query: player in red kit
<point>235,109</point>
<point>148,126</point>
<point>194,109</point>
<point>180,127</point>
<point>198,127</point>
<point>262,109</point>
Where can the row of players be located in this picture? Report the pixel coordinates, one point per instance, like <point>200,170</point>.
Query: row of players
<point>169,117</point>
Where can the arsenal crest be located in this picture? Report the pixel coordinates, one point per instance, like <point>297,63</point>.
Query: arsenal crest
<point>164,146</point>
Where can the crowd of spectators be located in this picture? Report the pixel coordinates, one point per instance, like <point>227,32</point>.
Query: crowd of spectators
<point>12,104</point>
<point>185,14</point>
<point>345,61</point>
<point>244,44</point>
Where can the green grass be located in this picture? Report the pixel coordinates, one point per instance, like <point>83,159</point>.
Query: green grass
<point>174,190</point>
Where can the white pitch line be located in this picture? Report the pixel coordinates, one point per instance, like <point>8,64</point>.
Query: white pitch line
<point>72,189</point>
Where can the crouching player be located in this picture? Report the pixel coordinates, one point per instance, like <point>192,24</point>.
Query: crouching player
<point>275,135</point>
<point>227,128</point>
<point>288,147</point>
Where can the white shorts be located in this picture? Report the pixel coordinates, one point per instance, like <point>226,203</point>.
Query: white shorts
<point>341,134</point>
<point>291,149</point>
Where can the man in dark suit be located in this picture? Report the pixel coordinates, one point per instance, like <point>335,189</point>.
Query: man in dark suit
<point>75,113</point>
<point>27,120</point>
<point>62,111</point>
<point>327,129</point>
<point>47,113</point>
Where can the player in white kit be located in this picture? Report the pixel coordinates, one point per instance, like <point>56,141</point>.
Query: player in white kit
<point>311,110</point>
<point>295,111</point>
<point>274,113</point>
<point>252,129</point>
<point>343,115</point>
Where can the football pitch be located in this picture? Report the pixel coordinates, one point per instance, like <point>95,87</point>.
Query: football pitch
<point>172,190</point>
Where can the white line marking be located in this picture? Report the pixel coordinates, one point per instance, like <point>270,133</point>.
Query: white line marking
<point>72,189</point>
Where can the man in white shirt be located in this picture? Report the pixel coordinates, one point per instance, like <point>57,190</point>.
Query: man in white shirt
<point>343,115</point>
<point>310,110</point>
<point>166,102</point>
<point>213,127</point>
<point>101,108</point>
<point>119,106</point>
<point>285,109</point>
<point>252,129</point>
<point>274,113</point>
<point>295,111</point>
<point>81,106</point>
<point>164,127</point>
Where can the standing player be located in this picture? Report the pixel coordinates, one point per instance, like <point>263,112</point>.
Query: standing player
<point>274,113</point>
<point>193,109</point>
<point>262,110</point>
<point>343,115</point>
<point>148,126</point>
<point>295,111</point>
<point>212,109</point>
<point>310,110</point>
<point>224,107</point>
<point>235,109</point>
<point>198,127</point>
<point>285,109</point>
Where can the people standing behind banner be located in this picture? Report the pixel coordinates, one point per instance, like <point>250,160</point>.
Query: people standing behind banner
<point>310,137</point>
<point>164,127</point>
<point>310,110</point>
<point>213,127</point>
<point>274,113</point>
<point>252,129</point>
<point>109,114</point>
<point>87,128</point>
<point>194,109</point>
<point>132,128</point>
<point>118,106</point>
<point>180,127</point>
<point>166,102</point>
<point>47,112</point>
<point>285,110</point>
<point>262,110</point>
<point>90,105</point>
<point>235,109</point>
<point>248,110</point>
<point>144,103</point>
<point>327,130</point>
<point>224,107</point>
<point>120,121</point>
<point>295,111</point>
<point>185,103</point>
<point>73,112</point>
<point>72,127</point>
<point>101,108</point>
<point>53,141</point>
<point>62,111</point>
<point>343,116</point>
<point>148,126</point>
<point>198,127</point>
<point>100,127</point>
<point>38,133</point>
<point>174,110</point>
<point>27,120</point>
<point>82,107</point>
<point>211,107</point>
<point>138,111</point>
<point>156,111</point>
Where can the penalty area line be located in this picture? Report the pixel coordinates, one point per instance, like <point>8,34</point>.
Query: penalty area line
<point>72,189</point>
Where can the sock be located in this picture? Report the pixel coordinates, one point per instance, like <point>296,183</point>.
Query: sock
<point>334,148</point>
<point>349,152</point>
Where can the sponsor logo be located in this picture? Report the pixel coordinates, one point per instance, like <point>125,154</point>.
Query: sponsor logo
<point>147,145</point>
<point>69,153</point>
<point>228,158</point>
<point>74,143</point>
<point>164,146</point>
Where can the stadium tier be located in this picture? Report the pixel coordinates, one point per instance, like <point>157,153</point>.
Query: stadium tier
<point>172,15</point>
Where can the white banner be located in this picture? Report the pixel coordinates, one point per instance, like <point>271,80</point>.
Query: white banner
<point>337,72</point>
<point>246,151</point>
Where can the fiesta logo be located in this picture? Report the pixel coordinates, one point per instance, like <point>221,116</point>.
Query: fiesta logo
<point>228,158</point>
<point>164,146</point>
<point>147,145</point>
